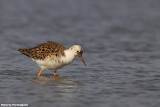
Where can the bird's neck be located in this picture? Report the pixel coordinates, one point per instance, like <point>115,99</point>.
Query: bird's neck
<point>68,57</point>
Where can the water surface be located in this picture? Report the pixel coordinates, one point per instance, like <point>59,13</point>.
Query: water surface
<point>121,49</point>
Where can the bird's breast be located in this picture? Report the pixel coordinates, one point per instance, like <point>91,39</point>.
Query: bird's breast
<point>50,63</point>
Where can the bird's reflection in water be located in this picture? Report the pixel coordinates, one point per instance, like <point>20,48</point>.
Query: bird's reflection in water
<point>51,87</point>
<point>47,79</point>
<point>57,85</point>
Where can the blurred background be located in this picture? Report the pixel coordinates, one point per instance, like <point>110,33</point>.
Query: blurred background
<point>121,47</point>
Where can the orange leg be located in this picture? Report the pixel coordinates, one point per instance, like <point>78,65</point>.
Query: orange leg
<point>39,74</point>
<point>54,73</point>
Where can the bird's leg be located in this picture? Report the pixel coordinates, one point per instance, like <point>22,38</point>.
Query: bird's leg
<point>39,74</point>
<point>55,73</point>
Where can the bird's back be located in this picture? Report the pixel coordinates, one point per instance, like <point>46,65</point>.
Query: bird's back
<point>43,50</point>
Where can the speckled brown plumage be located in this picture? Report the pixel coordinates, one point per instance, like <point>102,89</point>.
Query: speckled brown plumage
<point>44,50</point>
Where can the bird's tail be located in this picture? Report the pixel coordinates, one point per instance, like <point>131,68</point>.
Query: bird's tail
<point>25,52</point>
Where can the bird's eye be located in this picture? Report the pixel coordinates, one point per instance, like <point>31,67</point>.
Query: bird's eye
<point>77,51</point>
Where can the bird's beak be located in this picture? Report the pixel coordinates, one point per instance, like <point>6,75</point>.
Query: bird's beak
<point>81,57</point>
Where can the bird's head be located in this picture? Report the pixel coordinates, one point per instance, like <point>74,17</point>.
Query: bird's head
<point>78,52</point>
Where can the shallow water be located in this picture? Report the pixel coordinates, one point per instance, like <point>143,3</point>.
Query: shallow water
<point>121,49</point>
